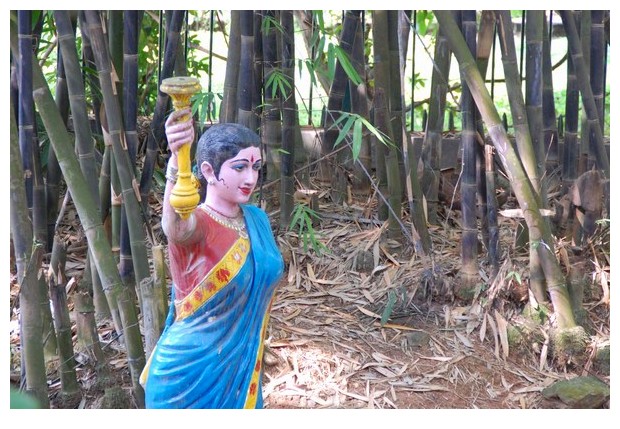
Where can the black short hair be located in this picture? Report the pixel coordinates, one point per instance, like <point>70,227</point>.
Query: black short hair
<point>219,143</point>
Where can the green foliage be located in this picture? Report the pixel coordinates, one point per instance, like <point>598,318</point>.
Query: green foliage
<point>302,223</point>
<point>278,81</point>
<point>204,104</point>
<point>358,123</point>
<point>425,22</point>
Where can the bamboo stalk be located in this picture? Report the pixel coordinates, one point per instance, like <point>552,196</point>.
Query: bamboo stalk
<point>31,327</point>
<point>271,118</point>
<point>57,281</point>
<point>431,144</point>
<point>585,89</point>
<point>539,231</point>
<point>21,228</point>
<point>289,120</point>
<point>228,109</point>
<point>469,239</point>
<point>245,82</point>
<point>359,106</point>
<point>550,127</point>
<point>156,139</point>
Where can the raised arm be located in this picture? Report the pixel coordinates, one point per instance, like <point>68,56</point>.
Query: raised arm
<point>178,134</point>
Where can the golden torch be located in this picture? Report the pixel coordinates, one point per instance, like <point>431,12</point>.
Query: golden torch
<point>184,197</point>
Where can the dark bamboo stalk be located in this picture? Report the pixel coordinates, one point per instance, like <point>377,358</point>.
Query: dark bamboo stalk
<point>469,239</point>
<point>570,153</point>
<point>534,91</point>
<point>156,140</point>
<point>395,96</point>
<point>431,144</point>
<point>583,81</point>
<point>597,64</point>
<point>493,243</point>
<point>245,82</point>
<point>339,172</point>
<point>359,106</point>
<point>21,227</point>
<point>380,47</point>
<point>272,109</point>
<point>25,119</point>
<point>228,109</point>
<point>550,127</point>
<point>257,92</point>
<point>583,22</point>
<point>289,119</point>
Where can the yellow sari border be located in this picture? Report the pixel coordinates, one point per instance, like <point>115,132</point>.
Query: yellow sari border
<point>218,277</point>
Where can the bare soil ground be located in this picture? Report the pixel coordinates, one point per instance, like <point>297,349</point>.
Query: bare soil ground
<point>367,323</point>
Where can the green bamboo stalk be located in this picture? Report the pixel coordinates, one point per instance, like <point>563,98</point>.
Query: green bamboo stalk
<point>81,123</point>
<point>550,127</point>
<point>540,234</point>
<point>469,238</point>
<point>289,120</point>
<point>25,118</point>
<point>431,144</point>
<point>130,198</point>
<point>245,82</point>
<point>53,173</point>
<point>85,321</point>
<point>31,327</point>
<point>126,319</point>
<point>272,109</point>
<point>589,104</point>
<point>57,282</point>
<point>525,145</point>
<point>228,109</point>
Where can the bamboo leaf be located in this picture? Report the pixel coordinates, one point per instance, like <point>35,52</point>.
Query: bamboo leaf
<point>346,65</point>
<point>357,139</point>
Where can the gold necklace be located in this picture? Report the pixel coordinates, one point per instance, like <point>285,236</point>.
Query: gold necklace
<point>236,223</point>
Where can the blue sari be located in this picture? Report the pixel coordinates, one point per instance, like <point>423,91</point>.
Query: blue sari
<point>210,353</point>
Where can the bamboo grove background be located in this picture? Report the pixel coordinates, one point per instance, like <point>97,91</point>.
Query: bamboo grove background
<point>75,136</point>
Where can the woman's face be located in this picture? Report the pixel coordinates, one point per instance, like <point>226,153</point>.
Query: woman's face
<point>238,176</point>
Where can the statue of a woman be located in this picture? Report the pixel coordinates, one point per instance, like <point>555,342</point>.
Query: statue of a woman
<point>225,265</point>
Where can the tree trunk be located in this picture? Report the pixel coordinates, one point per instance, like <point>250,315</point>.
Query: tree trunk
<point>550,127</point>
<point>245,83</point>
